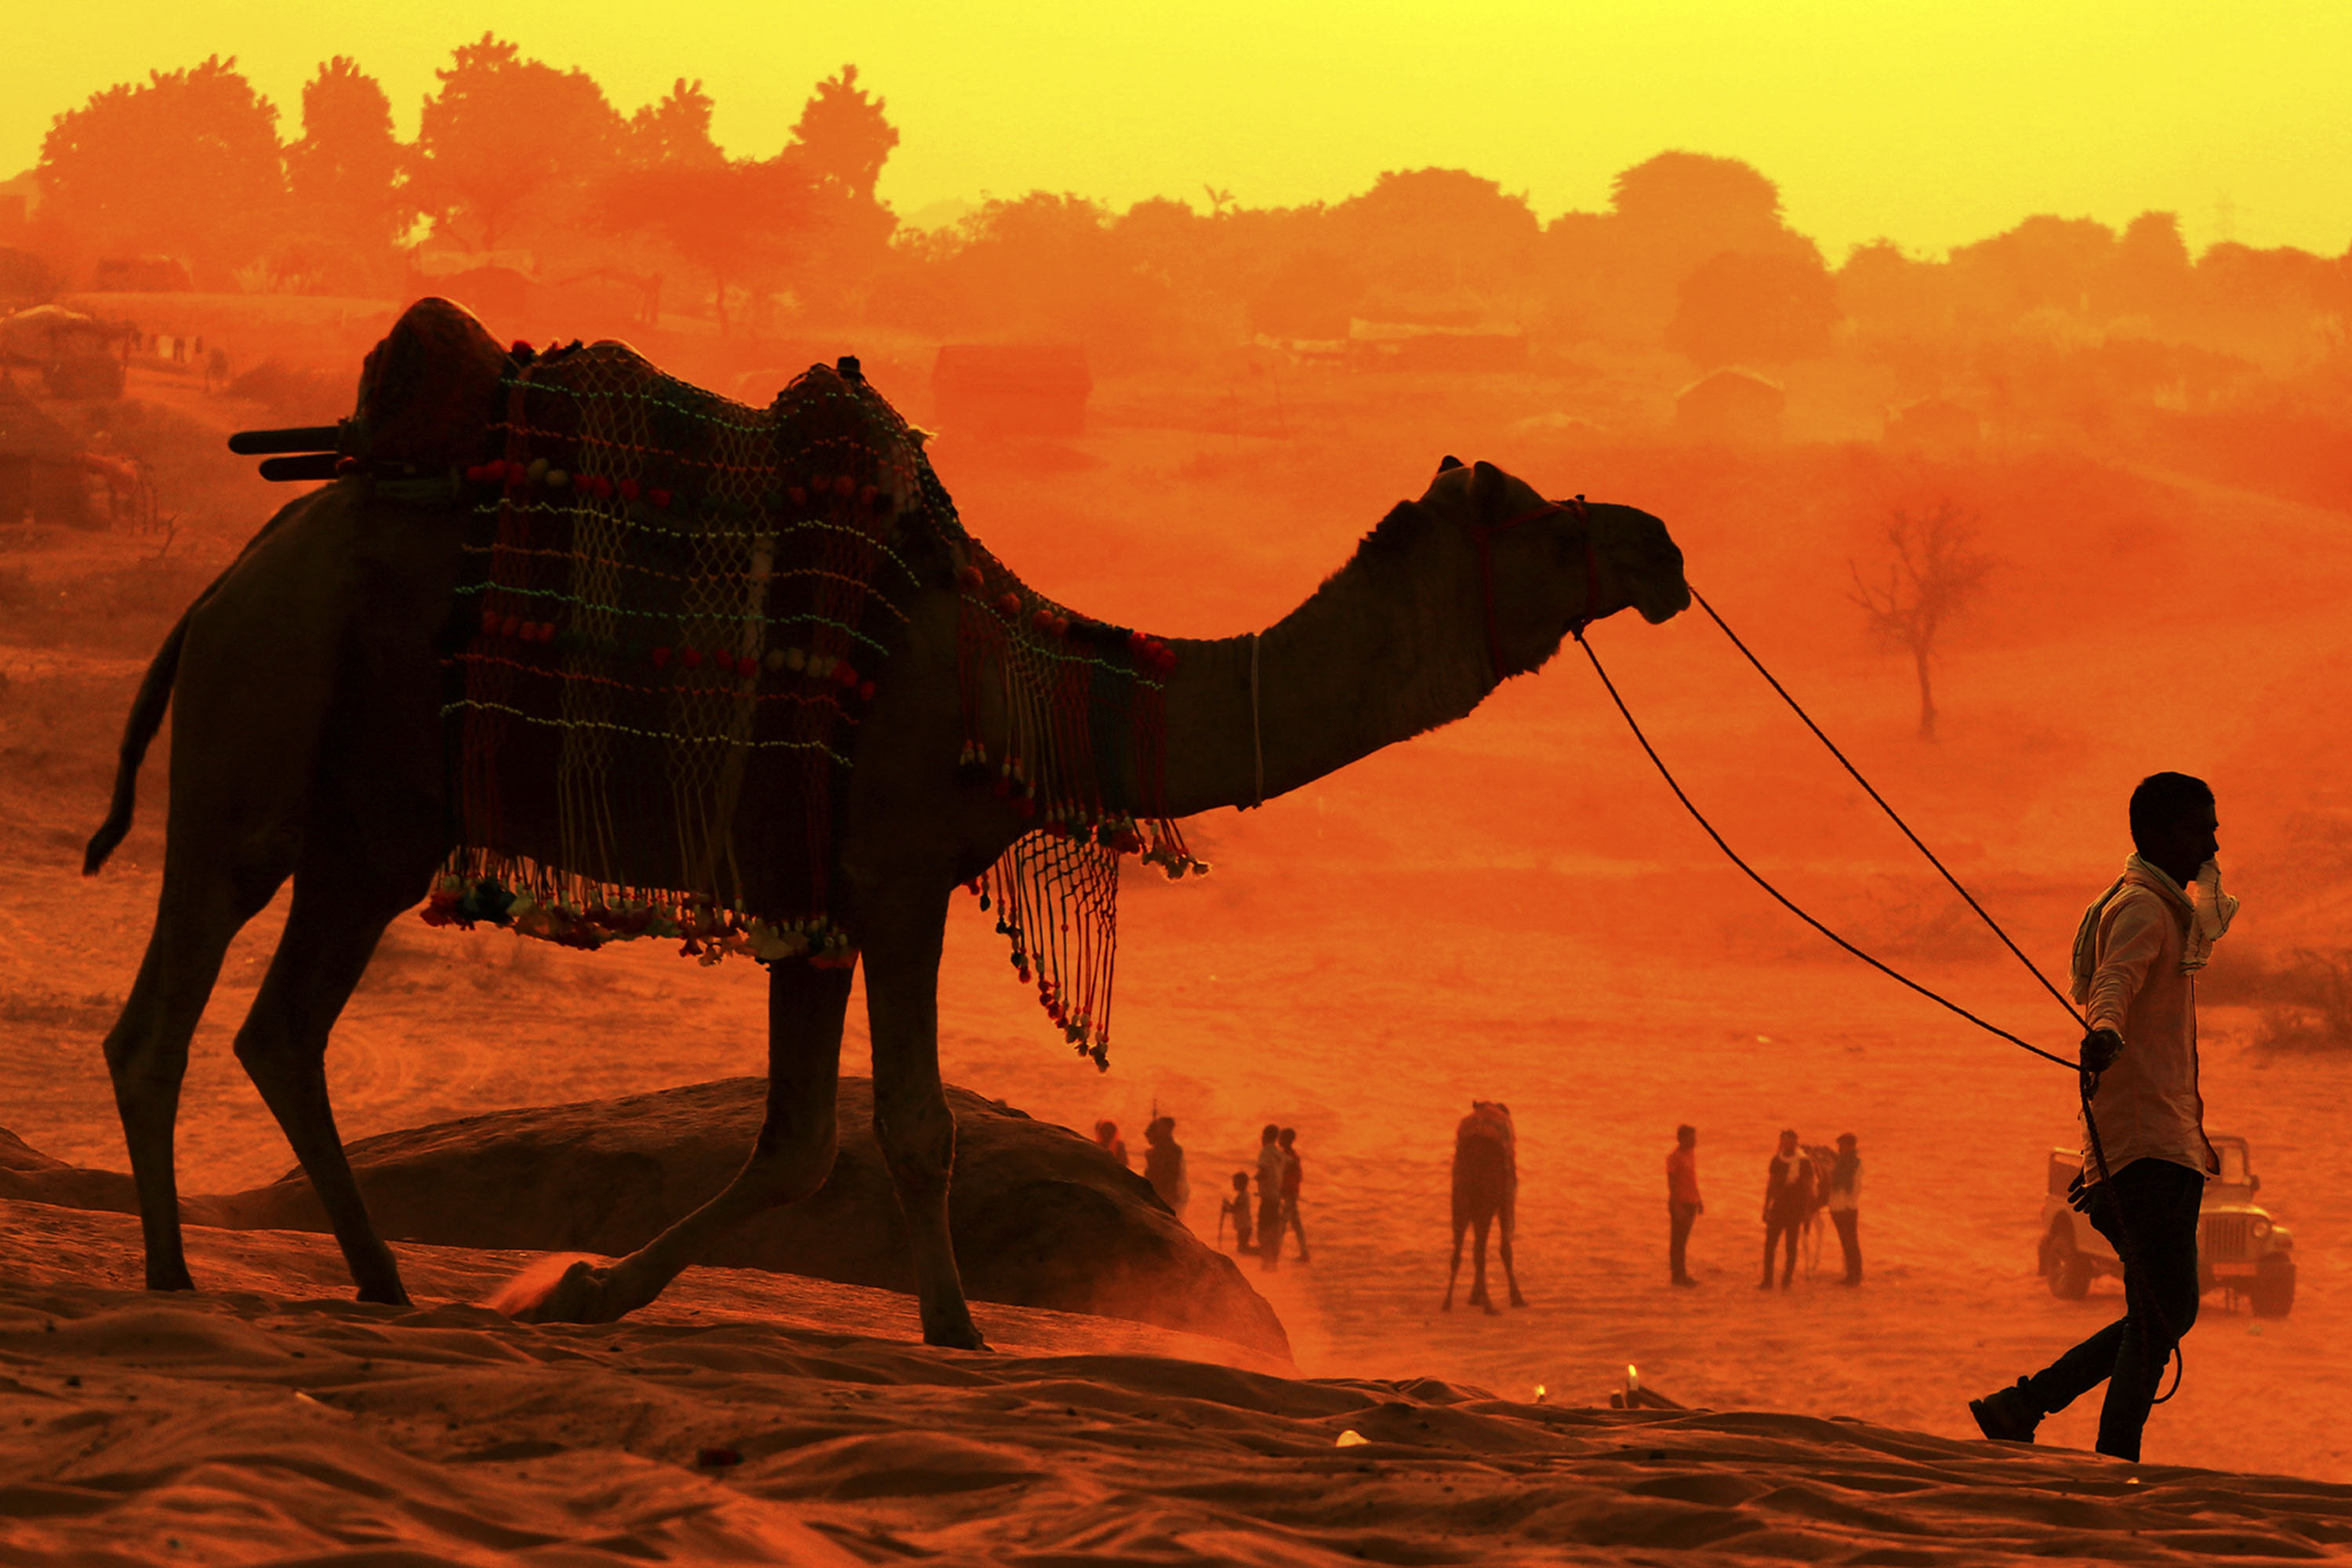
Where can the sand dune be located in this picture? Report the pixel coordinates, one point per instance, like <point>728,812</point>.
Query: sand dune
<point>1042,1217</point>
<point>739,1421</point>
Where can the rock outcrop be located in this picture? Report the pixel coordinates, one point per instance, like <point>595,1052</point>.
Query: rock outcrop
<point>1042,1218</point>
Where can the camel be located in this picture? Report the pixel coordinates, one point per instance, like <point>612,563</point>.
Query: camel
<point>309,744</point>
<point>1485,1188</point>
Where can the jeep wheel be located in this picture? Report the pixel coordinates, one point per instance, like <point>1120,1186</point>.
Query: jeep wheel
<point>2063,1265</point>
<point>2273,1292</point>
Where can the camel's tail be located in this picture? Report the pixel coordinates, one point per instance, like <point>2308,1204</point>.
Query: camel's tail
<point>147,712</point>
<point>146,717</point>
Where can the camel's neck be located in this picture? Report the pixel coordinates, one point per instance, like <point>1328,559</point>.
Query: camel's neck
<point>1375,657</point>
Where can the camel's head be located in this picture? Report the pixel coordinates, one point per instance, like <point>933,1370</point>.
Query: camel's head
<point>1545,568</point>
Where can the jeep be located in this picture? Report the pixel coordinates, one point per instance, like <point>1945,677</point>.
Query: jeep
<point>2239,1247</point>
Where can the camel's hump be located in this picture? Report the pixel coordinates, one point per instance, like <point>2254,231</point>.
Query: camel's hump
<point>429,390</point>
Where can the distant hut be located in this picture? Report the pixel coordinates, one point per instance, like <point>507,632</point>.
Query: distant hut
<point>74,354</point>
<point>1417,346</point>
<point>1730,407</point>
<point>42,475</point>
<point>1934,425</point>
<point>142,275</point>
<point>1012,389</point>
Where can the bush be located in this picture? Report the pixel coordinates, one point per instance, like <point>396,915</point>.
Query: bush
<point>2308,1002</point>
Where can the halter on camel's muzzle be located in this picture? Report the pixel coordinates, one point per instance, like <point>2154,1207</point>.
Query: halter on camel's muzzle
<point>1483,535</point>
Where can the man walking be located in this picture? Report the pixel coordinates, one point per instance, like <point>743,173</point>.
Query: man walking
<point>2136,955</point>
<point>1271,1168</point>
<point>1788,1199</point>
<point>1682,1205</point>
<point>1844,1204</point>
<point>1292,1173</point>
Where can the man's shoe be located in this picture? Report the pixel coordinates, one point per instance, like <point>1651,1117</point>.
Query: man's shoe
<point>2006,1415</point>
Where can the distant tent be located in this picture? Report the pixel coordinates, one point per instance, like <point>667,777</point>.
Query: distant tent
<point>1932,425</point>
<point>1012,389</point>
<point>1730,407</point>
<point>41,472</point>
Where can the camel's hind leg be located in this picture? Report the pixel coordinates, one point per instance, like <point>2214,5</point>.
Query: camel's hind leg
<point>330,932</point>
<point>911,1118</point>
<point>1509,1223</point>
<point>1478,1297</point>
<point>791,1159</point>
<point>206,901</point>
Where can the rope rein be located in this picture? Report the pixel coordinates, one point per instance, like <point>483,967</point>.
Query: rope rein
<point>1893,816</point>
<point>2087,1081</point>
<point>1782,899</point>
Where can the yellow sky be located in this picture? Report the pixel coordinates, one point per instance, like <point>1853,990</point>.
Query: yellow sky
<point>1933,124</point>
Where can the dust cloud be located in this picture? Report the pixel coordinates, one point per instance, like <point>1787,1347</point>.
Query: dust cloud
<point>2020,524</point>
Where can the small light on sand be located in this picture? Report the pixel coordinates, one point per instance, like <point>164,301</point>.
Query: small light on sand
<point>1539,1392</point>
<point>1632,1378</point>
<point>1351,1438</point>
<point>1763,1039</point>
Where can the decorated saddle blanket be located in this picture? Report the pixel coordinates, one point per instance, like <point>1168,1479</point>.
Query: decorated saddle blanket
<point>675,610</point>
<point>674,613</point>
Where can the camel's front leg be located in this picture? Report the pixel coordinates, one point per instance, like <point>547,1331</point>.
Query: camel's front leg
<point>790,1161</point>
<point>911,1118</point>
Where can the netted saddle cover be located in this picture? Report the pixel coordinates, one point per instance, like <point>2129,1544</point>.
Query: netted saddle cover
<point>676,610</point>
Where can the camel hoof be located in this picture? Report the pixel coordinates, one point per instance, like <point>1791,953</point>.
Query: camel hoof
<point>1517,1299</point>
<point>966,1337</point>
<point>1492,1311</point>
<point>1447,1305</point>
<point>564,1289</point>
<point>397,1296</point>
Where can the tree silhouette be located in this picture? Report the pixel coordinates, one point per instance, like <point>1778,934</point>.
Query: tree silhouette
<point>508,146</point>
<point>343,175</point>
<point>1719,202</point>
<point>186,163</point>
<point>732,221</point>
<point>1767,309</point>
<point>841,136</point>
<point>1932,573</point>
<point>674,132</point>
<point>1438,230</point>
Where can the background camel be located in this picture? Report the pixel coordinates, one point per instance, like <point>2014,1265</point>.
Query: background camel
<point>1485,1188</point>
<point>309,744</point>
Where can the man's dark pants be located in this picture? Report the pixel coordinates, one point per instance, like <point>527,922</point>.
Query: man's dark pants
<point>1849,1223</point>
<point>2150,1215</point>
<point>1789,1222</point>
<point>1678,1229</point>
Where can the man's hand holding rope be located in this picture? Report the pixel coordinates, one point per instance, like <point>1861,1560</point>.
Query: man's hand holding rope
<point>2100,1049</point>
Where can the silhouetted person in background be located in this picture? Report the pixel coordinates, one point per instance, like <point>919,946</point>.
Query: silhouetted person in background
<point>1843,1201</point>
<point>1163,1163</point>
<point>1107,1140</point>
<point>1271,1165</point>
<point>1238,1208</point>
<point>1788,1199</point>
<point>2135,954</point>
<point>1683,1204</point>
<point>1293,1170</point>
